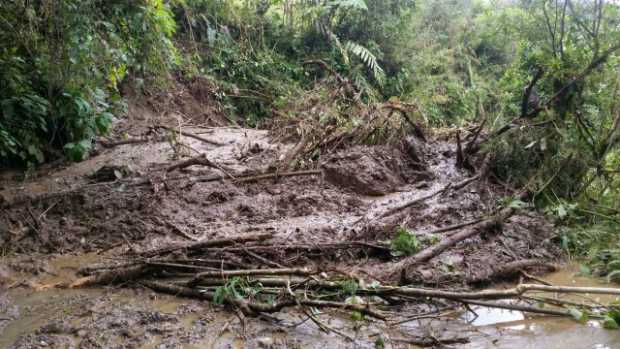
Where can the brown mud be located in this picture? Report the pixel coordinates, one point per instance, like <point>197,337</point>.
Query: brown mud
<point>123,200</point>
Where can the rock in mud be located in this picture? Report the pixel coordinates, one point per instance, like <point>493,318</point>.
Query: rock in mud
<point>111,173</point>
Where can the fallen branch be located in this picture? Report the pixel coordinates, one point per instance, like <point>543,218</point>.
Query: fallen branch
<point>251,272</point>
<point>510,269</point>
<point>115,276</point>
<point>514,292</point>
<point>471,145</point>
<point>200,160</point>
<point>277,175</point>
<point>191,135</point>
<point>425,255</point>
<point>405,113</point>
<point>454,226</point>
<point>179,231</point>
<point>523,308</point>
<point>431,342</point>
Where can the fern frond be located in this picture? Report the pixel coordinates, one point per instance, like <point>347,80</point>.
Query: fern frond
<point>369,59</point>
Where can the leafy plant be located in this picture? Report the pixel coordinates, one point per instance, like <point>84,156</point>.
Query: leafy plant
<point>404,243</point>
<point>348,287</point>
<point>236,288</point>
<point>611,319</point>
<point>61,64</point>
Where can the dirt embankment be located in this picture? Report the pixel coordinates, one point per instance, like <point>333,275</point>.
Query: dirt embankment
<point>124,201</point>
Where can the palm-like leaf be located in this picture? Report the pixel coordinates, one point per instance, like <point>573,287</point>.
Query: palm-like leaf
<point>368,58</point>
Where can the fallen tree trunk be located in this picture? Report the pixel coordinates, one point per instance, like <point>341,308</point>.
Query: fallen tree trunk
<point>399,270</point>
<point>251,272</point>
<point>116,276</point>
<point>491,294</point>
<point>523,308</point>
<point>510,269</point>
<point>200,160</point>
<point>191,135</point>
<point>454,227</point>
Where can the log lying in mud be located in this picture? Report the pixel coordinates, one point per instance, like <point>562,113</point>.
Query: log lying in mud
<point>207,244</point>
<point>200,160</point>
<point>431,342</point>
<point>114,276</point>
<point>510,269</point>
<point>519,307</point>
<point>454,227</point>
<point>252,272</point>
<point>400,269</point>
<point>191,135</point>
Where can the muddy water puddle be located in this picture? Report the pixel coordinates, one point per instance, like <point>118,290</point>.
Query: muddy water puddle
<point>500,328</point>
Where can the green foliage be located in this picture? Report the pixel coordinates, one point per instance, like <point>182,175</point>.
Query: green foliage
<point>61,63</point>
<point>236,288</point>
<point>611,319</point>
<point>404,243</point>
<point>368,58</point>
<point>380,343</point>
<point>348,287</point>
<point>357,316</point>
<point>579,315</point>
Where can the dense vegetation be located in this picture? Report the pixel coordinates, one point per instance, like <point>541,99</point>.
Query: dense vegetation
<point>541,76</point>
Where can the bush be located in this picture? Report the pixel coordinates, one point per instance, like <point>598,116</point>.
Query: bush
<point>60,66</point>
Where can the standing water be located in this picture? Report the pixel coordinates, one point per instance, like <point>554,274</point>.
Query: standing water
<point>507,329</point>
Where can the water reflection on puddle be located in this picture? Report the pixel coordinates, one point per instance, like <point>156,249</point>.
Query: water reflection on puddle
<point>512,329</point>
<point>490,316</point>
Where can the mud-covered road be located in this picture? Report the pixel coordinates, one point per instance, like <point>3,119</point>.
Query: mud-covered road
<point>127,199</point>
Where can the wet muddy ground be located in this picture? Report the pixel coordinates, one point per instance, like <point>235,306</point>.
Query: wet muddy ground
<point>139,318</point>
<point>123,200</point>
